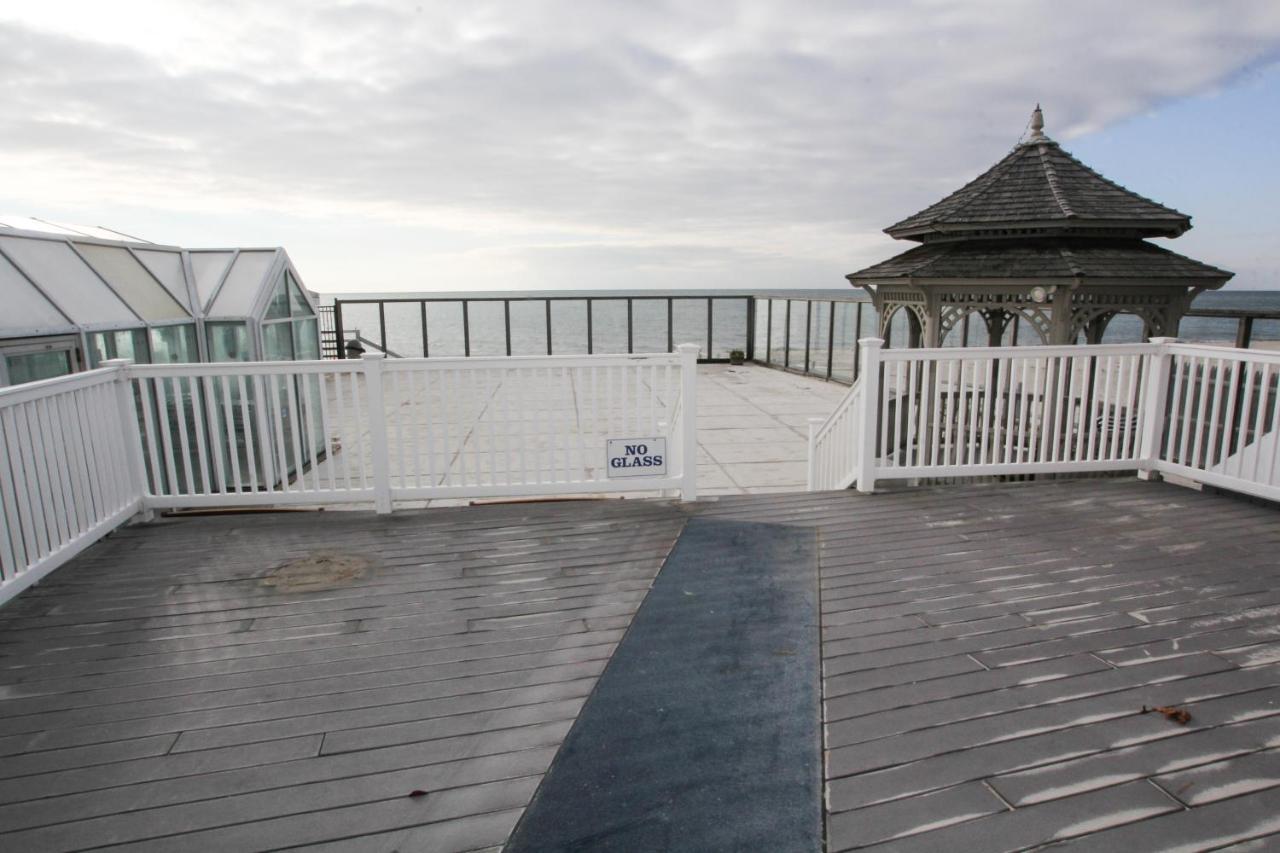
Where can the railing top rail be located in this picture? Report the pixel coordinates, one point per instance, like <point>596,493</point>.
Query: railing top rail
<point>811,294</point>
<point>258,368</point>
<point>1226,352</point>
<point>436,362</point>
<point>28,391</point>
<point>842,410</point>
<point>1235,313</point>
<point>947,353</point>
<point>246,368</point>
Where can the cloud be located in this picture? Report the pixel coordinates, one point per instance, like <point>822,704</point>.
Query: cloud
<point>764,130</point>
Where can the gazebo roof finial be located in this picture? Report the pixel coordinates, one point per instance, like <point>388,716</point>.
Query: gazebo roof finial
<point>1037,126</point>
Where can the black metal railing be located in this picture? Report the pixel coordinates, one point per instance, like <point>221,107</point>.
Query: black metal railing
<point>1244,319</point>
<point>814,333</point>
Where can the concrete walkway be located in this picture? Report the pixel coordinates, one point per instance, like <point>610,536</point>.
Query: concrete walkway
<point>753,427</point>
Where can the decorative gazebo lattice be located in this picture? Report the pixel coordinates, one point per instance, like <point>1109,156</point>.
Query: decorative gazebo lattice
<point>1041,237</point>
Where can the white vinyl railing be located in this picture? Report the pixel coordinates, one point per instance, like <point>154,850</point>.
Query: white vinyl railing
<point>1222,426</point>
<point>833,459</point>
<point>79,455</point>
<point>1206,413</point>
<point>67,471</point>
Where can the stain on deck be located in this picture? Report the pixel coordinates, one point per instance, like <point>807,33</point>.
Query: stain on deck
<point>987,652</point>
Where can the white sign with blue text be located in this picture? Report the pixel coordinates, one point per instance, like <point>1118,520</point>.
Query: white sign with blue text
<point>636,457</point>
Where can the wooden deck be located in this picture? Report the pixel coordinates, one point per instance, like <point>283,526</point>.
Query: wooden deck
<point>987,654</point>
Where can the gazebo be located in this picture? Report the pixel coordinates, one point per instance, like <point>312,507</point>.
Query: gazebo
<point>1041,237</point>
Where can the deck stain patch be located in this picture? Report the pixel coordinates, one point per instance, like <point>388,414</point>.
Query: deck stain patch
<point>317,572</point>
<point>703,732</point>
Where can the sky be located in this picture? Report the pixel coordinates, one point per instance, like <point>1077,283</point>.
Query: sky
<point>530,145</point>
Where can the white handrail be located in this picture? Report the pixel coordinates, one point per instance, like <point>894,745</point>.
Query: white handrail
<point>833,445</point>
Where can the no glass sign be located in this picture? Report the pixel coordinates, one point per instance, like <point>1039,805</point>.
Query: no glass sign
<point>636,457</point>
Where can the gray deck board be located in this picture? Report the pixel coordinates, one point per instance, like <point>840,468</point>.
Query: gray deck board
<point>154,693</point>
<point>987,651</point>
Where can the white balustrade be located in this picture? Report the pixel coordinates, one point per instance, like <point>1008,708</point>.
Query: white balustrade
<point>81,454</point>
<point>67,471</point>
<point>1206,413</point>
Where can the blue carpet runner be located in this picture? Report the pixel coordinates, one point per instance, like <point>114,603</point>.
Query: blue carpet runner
<point>703,733</point>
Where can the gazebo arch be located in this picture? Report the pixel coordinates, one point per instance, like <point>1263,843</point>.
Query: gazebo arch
<point>1042,238</point>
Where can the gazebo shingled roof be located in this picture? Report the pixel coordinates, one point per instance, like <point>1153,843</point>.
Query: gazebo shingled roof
<point>1040,236</point>
<point>1043,258</point>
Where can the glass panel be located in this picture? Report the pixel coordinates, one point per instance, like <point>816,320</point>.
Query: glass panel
<point>444,329</point>
<point>568,326</point>
<point>278,307</point>
<point>799,323</point>
<point>298,304</point>
<point>689,323</point>
<point>649,322</point>
<point>35,366</point>
<point>306,339</point>
<point>126,343</point>
<point>728,327</point>
<point>778,332</point>
<point>244,283</point>
<point>360,320</point>
<point>277,341</point>
<point>208,268</point>
<point>174,345</point>
<point>25,308</point>
<point>228,342</point>
<point>488,328</point>
<point>133,283</point>
<point>762,329</point>
<point>819,334</point>
<point>528,327</point>
<point>404,327</point>
<point>68,280</point>
<point>609,325</point>
<point>167,267</point>
<point>844,341</point>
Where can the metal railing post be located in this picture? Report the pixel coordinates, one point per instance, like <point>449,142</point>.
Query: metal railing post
<point>812,476</point>
<point>373,363</point>
<point>688,421</point>
<point>867,413</point>
<point>128,414</point>
<point>1154,409</point>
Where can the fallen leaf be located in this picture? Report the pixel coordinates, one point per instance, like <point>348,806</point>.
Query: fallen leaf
<point>416,794</point>
<point>1181,716</point>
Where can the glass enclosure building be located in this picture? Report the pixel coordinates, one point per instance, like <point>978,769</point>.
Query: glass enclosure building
<point>76,297</point>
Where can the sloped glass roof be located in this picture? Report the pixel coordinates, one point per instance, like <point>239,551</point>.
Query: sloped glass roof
<point>166,266</point>
<point>131,281</point>
<point>53,283</point>
<point>25,308</point>
<point>68,281</point>
<point>243,284</point>
<point>209,268</point>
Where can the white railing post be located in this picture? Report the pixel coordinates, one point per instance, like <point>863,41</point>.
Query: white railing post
<point>373,362</point>
<point>812,478</point>
<point>131,431</point>
<point>1153,415</point>
<point>688,421</point>
<point>867,415</point>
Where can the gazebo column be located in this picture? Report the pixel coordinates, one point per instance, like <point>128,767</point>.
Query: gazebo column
<point>997,320</point>
<point>1060,323</point>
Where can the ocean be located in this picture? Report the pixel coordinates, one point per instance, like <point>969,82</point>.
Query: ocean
<point>689,323</point>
